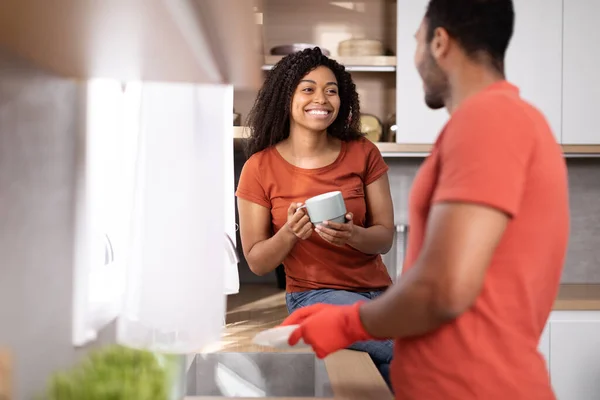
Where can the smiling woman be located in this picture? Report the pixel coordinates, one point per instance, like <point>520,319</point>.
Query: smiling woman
<point>305,141</point>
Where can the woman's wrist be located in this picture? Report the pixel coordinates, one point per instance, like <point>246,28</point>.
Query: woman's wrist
<point>373,240</point>
<point>356,236</point>
<point>288,235</point>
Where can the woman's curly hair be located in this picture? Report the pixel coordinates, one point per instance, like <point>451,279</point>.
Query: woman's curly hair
<point>269,119</point>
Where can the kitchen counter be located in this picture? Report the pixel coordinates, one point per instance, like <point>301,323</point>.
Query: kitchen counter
<point>349,375</point>
<point>578,297</point>
<point>260,307</point>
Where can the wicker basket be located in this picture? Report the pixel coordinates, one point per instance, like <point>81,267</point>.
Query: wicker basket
<point>360,48</point>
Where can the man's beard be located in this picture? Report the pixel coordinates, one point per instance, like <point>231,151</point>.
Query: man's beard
<point>435,84</point>
<point>434,100</point>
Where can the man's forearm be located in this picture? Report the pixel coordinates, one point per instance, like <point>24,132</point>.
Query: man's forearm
<point>376,239</point>
<point>409,308</point>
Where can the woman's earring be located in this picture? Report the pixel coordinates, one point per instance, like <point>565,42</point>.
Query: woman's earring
<point>348,120</point>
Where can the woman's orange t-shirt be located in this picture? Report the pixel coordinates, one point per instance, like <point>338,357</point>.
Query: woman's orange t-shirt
<point>269,180</point>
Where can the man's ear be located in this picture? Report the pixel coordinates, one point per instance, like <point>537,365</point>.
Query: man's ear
<point>440,43</point>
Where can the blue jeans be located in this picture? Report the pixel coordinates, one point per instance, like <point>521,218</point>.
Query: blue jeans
<point>380,351</point>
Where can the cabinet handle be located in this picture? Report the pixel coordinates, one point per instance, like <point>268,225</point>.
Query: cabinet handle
<point>109,255</point>
<point>401,245</point>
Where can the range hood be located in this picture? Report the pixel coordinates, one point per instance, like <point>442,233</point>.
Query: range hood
<point>195,41</point>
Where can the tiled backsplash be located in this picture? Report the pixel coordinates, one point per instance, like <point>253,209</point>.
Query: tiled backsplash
<point>401,175</point>
<point>583,259</point>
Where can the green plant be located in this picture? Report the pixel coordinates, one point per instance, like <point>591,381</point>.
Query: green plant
<point>114,373</point>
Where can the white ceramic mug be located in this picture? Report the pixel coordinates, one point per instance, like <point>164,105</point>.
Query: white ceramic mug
<point>328,206</point>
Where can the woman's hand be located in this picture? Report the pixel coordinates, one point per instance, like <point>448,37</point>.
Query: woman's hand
<point>298,222</point>
<point>335,233</point>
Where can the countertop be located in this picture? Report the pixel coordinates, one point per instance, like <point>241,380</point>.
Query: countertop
<point>576,297</point>
<point>360,379</point>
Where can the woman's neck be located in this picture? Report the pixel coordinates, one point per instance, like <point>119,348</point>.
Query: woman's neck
<point>305,143</point>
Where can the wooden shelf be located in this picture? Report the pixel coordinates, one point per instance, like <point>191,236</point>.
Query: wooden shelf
<point>582,149</point>
<point>391,150</point>
<point>414,150</point>
<point>239,132</point>
<point>352,64</point>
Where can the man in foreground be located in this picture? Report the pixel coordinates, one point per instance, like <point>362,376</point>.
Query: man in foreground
<point>489,228</point>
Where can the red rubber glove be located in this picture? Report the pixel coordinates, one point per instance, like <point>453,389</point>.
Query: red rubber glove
<point>327,328</point>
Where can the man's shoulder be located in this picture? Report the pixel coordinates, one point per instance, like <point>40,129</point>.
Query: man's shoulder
<point>494,106</point>
<point>497,116</point>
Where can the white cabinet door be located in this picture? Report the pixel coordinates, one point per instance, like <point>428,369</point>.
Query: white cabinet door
<point>575,355</point>
<point>416,123</point>
<point>534,57</point>
<point>544,346</point>
<point>581,80</point>
<point>533,62</point>
<point>232,278</point>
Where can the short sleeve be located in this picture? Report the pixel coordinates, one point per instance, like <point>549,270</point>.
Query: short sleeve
<point>249,186</point>
<point>484,157</point>
<point>375,165</point>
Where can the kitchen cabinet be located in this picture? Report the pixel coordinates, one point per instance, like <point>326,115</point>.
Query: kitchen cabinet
<point>575,354</point>
<point>159,41</point>
<point>326,24</point>
<point>416,123</point>
<point>581,81</point>
<point>533,60</point>
<point>547,58</point>
<point>394,259</point>
<point>544,346</point>
<point>570,344</point>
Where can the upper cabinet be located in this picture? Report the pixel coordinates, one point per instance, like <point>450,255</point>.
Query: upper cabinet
<point>549,59</point>
<point>581,80</point>
<point>330,25</point>
<point>415,122</point>
<point>534,57</point>
<point>165,41</point>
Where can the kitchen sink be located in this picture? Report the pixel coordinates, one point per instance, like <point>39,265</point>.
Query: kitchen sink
<point>258,375</point>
